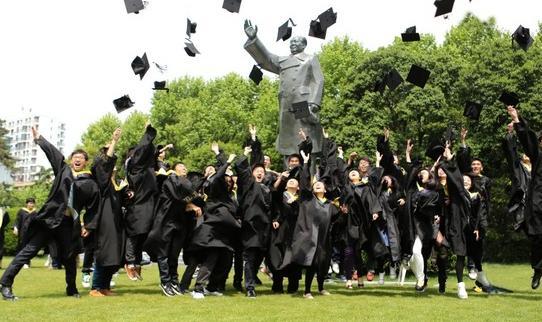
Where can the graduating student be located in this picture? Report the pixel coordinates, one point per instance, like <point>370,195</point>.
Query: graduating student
<point>22,221</point>
<point>531,143</point>
<point>139,212</point>
<point>4,221</point>
<point>520,175</point>
<point>255,206</point>
<point>103,228</point>
<point>311,244</point>
<point>169,233</point>
<point>214,238</point>
<point>54,220</point>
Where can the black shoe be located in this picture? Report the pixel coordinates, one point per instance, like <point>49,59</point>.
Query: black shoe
<point>167,290</point>
<point>238,286</point>
<point>535,283</point>
<point>73,292</point>
<point>7,293</point>
<point>251,294</point>
<point>420,289</point>
<point>176,288</point>
<point>442,287</point>
<point>75,295</point>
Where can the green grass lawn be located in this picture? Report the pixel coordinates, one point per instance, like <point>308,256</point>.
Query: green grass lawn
<point>41,293</point>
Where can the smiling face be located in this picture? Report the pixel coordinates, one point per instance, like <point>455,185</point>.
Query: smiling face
<point>293,161</point>
<point>319,187</point>
<point>297,44</point>
<point>476,167</point>
<point>292,184</point>
<point>209,171</point>
<point>363,166</point>
<point>78,161</point>
<point>258,173</point>
<point>30,205</point>
<point>467,183</point>
<point>354,176</point>
<point>180,170</point>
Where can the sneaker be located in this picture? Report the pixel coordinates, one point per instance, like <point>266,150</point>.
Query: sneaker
<point>370,276</point>
<point>381,278</point>
<point>473,274</point>
<point>167,290</point>
<point>177,288</point>
<point>308,296</point>
<point>113,283</point>
<point>349,284</point>
<point>138,273</point>
<point>324,292</point>
<point>461,291</point>
<point>47,261</point>
<point>393,272</point>
<point>108,292</point>
<point>86,280</point>
<point>25,266</point>
<point>130,272</point>
<point>197,295</point>
<point>251,294</point>
<point>95,293</point>
<point>7,293</point>
<point>335,268</point>
<point>206,292</point>
<point>535,282</point>
<point>420,286</point>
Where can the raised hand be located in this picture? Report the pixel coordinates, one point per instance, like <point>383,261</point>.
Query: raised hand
<point>340,152</point>
<point>302,134</point>
<point>247,151</point>
<point>378,157</point>
<point>250,30</point>
<point>510,127</point>
<point>386,134</point>
<point>324,133</point>
<point>464,132</point>
<point>252,130</point>
<point>230,158</point>
<point>35,133</point>
<point>214,148</point>
<point>409,146</point>
<point>147,123</point>
<point>116,135</point>
<point>513,112</point>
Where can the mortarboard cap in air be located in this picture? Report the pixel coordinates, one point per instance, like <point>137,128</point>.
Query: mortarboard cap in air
<point>443,7</point>
<point>140,65</point>
<point>134,6</point>
<point>410,35</point>
<point>285,31</point>
<point>123,103</point>
<point>472,110</point>
<point>190,48</point>
<point>256,74</point>
<point>190,27</point>
<point>232,5</point>
<point>160,86</point>
<point>418,76</point>
<point>509,98</point>
<point>523,37</point>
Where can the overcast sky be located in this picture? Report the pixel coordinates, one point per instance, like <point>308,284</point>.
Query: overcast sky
<point>69,59</point>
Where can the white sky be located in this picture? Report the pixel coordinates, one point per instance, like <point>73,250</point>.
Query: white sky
<point>69,59</point>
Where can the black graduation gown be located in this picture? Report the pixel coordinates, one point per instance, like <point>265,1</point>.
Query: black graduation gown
<point>142,181</point>
<point>533,201</point>
<point>255,203</point>
<point>220,225</point>
<point>170,215</point>
<point>22,221</point>
<point>286,215</point>
<point>459,215</point>
<point>520,177</point>
<point>106,227</point>
<point>311,244</point>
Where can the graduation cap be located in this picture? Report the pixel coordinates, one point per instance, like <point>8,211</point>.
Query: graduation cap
<point>190,27</point>
<point>285,31</point>
<point>523,37</point>
<point>134,6</point>
<point>393,79</point>
<point>140,65</point>
<point>160,86</point>
<point>443,7</point>
<point>410,35</point>
<point>509,98</point>
<point>380,86</point>
<point>123,103</point>
<point>256,74</point>
<point>472,110</point>
<point>190,48</point>
<point>232,5</point>
<point>418,76</point>
<point>300,110</point>
<point>326,19</point>
<point>435,149</point>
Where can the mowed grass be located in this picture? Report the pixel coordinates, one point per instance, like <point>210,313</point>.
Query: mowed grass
<point>41,293</point>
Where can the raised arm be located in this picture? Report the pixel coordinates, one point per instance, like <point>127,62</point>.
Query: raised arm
<point>143,155</point>
<point>305,187</point>
<point>257,50</point>
<point>464,158</point>
<point>526,136</point>
<point>55,157</point>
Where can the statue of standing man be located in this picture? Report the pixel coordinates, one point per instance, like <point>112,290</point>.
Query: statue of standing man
<point>301,80</point>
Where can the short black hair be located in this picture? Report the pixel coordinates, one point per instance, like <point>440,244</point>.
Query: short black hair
<point>32,200</point>
<point>477,159</point>
<point>80,151</point>
<point>294,155</point>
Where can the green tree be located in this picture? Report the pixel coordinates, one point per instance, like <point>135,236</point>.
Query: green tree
<point>5,157</point>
